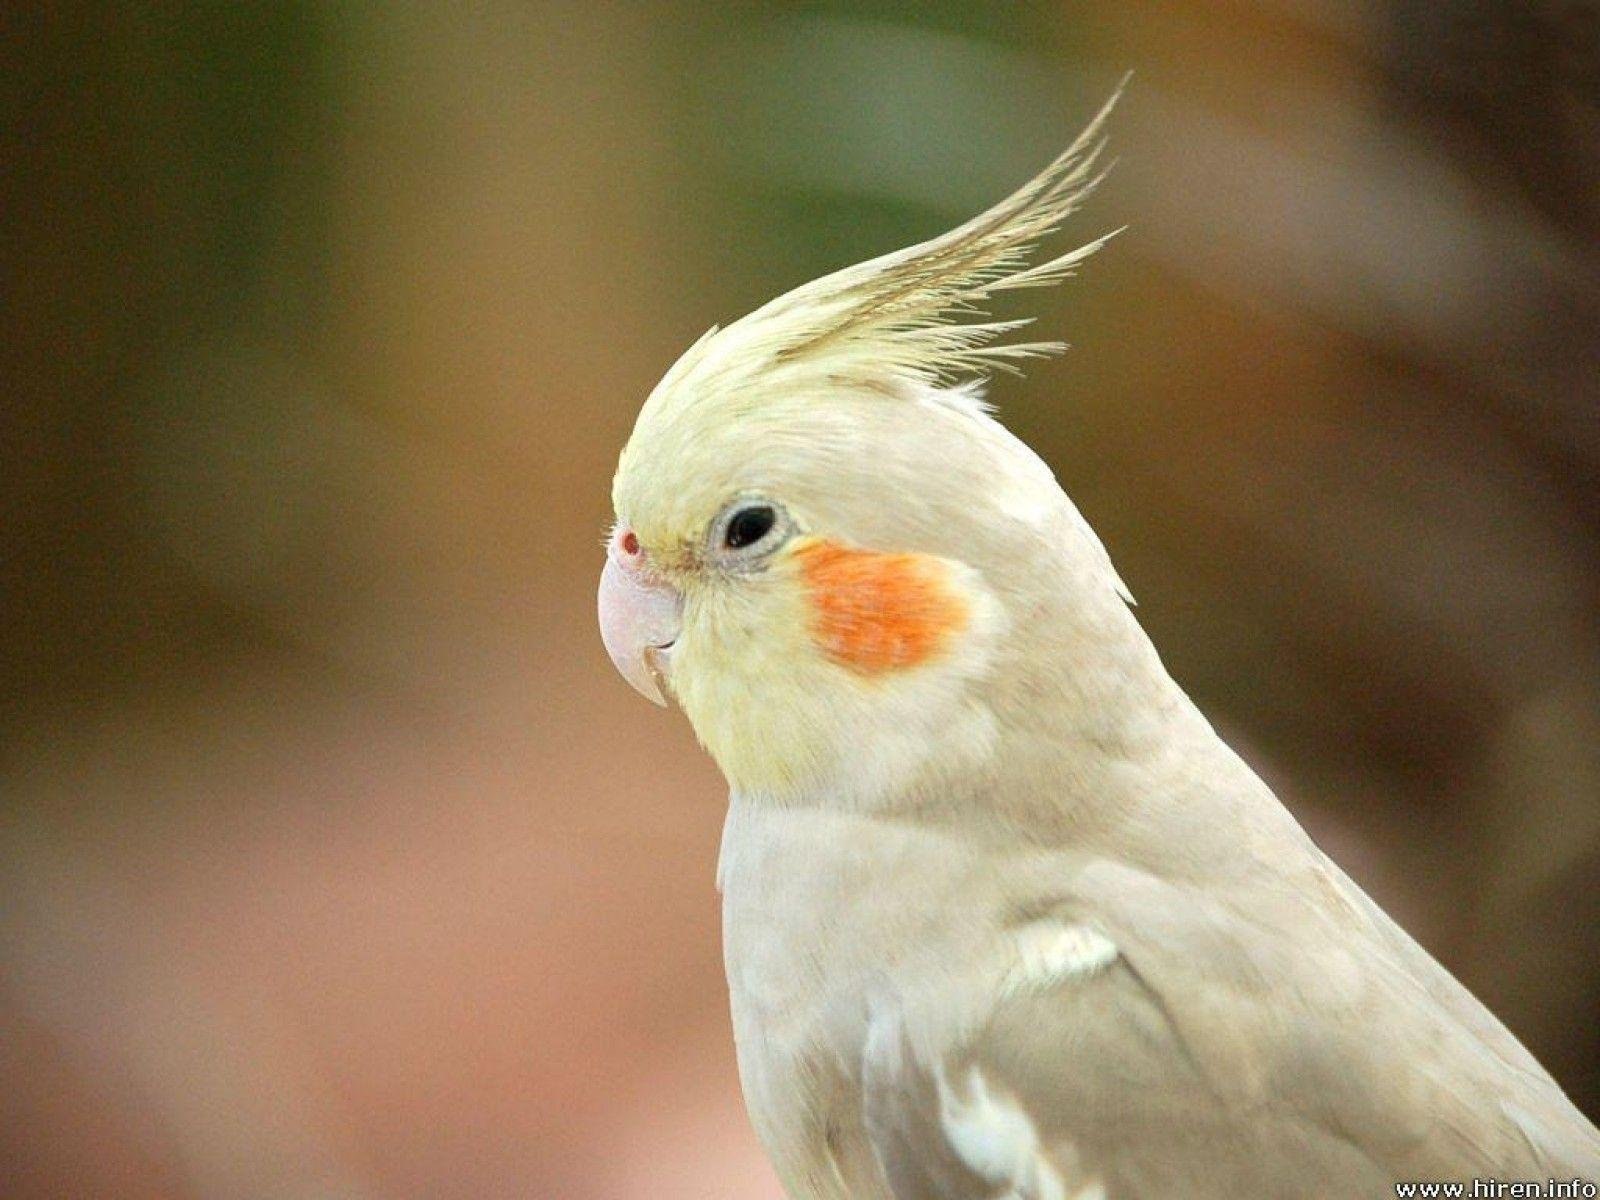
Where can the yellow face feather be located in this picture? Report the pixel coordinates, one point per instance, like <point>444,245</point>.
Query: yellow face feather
<point>780,673</point>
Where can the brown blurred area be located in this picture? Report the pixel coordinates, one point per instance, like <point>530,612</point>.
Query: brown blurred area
<point>335,860</point>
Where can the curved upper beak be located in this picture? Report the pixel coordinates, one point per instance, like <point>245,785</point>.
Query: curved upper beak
<point>640,618</point>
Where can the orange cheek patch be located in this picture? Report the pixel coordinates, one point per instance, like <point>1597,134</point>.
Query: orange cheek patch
<point>875,612</point>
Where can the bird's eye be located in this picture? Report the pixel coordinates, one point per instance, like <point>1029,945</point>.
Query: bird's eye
<point>749,525</point>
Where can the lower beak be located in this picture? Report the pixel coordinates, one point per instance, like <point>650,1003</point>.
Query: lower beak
<point>640,618</point>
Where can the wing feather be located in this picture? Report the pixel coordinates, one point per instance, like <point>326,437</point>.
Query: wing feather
<point>1217,1057</point>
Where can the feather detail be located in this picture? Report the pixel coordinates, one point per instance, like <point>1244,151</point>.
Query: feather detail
<point>915,314</point>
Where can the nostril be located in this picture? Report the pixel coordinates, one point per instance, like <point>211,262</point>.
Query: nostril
<point>630,543</point>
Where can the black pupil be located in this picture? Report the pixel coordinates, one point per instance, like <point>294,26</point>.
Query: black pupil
<point>750,525</point>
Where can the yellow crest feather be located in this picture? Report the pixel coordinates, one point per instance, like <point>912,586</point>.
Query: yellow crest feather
<point>899,324</point>
<point>907,314</point>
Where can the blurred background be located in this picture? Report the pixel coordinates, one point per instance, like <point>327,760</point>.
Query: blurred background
<point>336,861</point>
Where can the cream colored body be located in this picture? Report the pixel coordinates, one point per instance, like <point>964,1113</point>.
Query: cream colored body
<point>861,926</point>
<point>803,970</point>
<point>845,929</point>
<point>1009,922</point>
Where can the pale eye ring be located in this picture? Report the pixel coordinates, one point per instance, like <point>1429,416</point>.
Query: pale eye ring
<point>749,529</point>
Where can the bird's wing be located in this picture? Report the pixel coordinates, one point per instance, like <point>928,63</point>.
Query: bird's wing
<point>1153,1043</point>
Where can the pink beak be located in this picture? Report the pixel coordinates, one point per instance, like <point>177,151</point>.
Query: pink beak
<point>640,618</point>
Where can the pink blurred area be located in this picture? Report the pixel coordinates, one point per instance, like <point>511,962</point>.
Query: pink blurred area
<point>334,858</point>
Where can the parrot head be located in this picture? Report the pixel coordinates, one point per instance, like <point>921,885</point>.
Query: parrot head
<point>826,550</point>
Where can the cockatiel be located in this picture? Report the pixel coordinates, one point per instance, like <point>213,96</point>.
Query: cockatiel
<point>1003,916</point>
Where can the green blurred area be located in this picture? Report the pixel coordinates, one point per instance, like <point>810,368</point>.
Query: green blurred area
<point>333,855</point>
